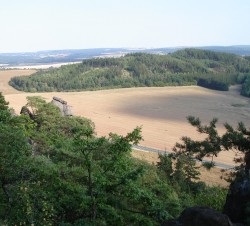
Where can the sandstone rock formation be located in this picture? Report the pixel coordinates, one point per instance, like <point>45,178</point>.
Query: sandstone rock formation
<point>25,111</point>
<point>65,109</point>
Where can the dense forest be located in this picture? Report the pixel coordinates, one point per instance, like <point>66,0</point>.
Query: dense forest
<point>54,170</point>
<point>184,67</point>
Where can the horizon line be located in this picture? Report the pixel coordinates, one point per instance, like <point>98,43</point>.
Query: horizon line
<point>126,48</point>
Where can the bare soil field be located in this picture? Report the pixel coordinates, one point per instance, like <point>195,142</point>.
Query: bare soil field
<point>160,111</point>
<point>40,66</point>
<point>6,75</point>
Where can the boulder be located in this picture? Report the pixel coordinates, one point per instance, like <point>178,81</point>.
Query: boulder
<point>197,216</point>
<point>237,198</point>
<point>200,216</point>
<point>65,109</point>
<point>25,111</point>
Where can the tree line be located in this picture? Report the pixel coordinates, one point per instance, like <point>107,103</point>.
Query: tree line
<point>185,67</point>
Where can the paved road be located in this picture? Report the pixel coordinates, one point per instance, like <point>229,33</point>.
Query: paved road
<point>142,148</point>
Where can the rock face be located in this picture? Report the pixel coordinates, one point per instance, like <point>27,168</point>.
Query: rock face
<point>200,216</point>
<point>237,198</point>
<point>65,109</point>
<point>205,216</point>
<point>26,111</point>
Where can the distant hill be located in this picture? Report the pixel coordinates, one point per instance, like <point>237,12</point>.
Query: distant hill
<point>75,55</point>
<point>243,50</point>
<point>184,67</point>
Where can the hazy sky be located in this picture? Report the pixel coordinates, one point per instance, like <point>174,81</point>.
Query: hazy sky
<point>31,25</point>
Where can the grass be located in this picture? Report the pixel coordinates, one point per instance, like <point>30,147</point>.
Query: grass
<point>210,177</point>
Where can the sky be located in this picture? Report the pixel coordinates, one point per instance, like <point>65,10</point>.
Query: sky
<point>33,25</point>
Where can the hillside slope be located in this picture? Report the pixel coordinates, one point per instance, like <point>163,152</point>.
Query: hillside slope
<point>184,67</point>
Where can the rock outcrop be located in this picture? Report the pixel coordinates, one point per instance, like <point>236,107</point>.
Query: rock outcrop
<point>201,216</point>
<point>65,109</point>
<point>25,111</point>
<point>237,198</point>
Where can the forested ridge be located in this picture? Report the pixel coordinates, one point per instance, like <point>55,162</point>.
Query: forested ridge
<point>185,67</point>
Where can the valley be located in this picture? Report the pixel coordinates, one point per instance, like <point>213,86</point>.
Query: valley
<point>161,111</point>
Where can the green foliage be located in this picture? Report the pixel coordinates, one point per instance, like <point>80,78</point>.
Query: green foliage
<point>233,139</point>
<point>4,112</point>
<point>55,171</point>
<point>184,67</point>
<point>209,147</point>
<point>214,197</point>
<point>68,176</point>
<point>213,84</point>
<point>3,103</point>
<point>236,139</point>
<point>245,91</point>
<point>14,156</point>
<point>182,173</point>
<point>239,140</point>
<point>165,165</point>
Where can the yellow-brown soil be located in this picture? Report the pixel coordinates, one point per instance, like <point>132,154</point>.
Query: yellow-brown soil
<point>160,111</point>
<point>6,75</point>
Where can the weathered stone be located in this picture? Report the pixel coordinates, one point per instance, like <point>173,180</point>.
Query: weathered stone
<point>59,100</point>
<point>26,111</point>
<point>197,216</point>
<point>200,216</point>
<point>237,198</point>
<point>65,109</point>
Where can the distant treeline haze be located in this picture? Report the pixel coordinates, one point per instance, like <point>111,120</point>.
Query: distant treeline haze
<point>185,67</point>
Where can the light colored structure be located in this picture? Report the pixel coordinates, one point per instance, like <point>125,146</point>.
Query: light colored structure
<point>65,109</point>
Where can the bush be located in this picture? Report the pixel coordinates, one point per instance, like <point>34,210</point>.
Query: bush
<point>213,197</point>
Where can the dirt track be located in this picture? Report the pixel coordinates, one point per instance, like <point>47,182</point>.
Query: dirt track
<point>160,111</point>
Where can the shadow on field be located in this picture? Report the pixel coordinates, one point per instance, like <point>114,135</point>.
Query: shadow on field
<point>221,105</point>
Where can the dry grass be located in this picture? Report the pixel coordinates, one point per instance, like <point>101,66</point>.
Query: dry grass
<point>160,111</point>
<point>210,177</point>
<point>6,75</point>
<point>213,177</point>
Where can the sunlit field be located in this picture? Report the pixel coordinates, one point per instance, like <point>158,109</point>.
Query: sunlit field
<point>161,112</point>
